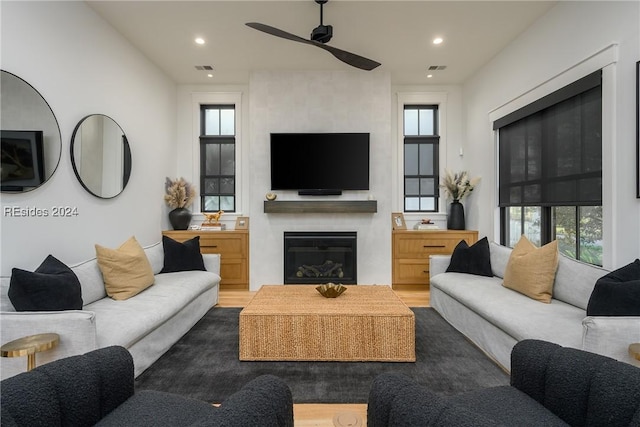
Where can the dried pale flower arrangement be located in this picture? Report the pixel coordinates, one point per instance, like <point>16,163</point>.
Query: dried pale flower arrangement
<point>180,193</point>
<point>458,185</point>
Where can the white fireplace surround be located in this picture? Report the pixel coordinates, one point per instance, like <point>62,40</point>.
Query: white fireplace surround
<point>320,102</point>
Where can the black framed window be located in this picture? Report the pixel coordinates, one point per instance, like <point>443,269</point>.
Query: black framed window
<point>550,177</point>
<point>217,158</point>
<point>421,154</point>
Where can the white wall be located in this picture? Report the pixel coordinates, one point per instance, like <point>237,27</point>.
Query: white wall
<point>566,36</point>
<point>81,65</point>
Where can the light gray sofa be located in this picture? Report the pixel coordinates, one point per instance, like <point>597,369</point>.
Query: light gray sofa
<point>495,318</point>
<point>147,324</point>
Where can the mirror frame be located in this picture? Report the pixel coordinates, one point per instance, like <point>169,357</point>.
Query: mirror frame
<point>127,162</point>
<point>55,136</point>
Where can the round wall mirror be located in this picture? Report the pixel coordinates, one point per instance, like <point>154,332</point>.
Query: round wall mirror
<point>101,156</point>
<point>31,143</point>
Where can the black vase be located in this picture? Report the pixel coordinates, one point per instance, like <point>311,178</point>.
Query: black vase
<point>180,218</point>
<point>455,220</point>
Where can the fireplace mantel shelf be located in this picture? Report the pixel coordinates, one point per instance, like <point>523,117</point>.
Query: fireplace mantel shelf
<point>321,206</point>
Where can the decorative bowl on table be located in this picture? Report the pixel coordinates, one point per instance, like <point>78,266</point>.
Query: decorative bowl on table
<point>331,290</point>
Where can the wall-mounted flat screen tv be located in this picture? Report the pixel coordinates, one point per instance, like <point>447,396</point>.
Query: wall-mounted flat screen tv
<point>22,159</point>
<point>319,163</point>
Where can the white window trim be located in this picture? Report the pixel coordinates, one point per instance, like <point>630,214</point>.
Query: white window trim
<point>419,98</point>
<point>221,98</point>
<point>604,59</point>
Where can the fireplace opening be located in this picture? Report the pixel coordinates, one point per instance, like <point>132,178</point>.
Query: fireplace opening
<point>320,257</point>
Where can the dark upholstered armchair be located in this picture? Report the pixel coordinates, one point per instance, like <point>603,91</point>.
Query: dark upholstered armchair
<point>98,388</point>
<point>550,386</point>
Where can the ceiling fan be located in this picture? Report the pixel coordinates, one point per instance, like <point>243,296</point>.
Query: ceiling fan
<point>319,36</point>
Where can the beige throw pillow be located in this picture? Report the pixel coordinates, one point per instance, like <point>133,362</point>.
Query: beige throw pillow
<point>126,270</point>
<point>531,270</point>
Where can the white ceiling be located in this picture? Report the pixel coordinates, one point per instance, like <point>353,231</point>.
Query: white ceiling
<point>396,33</point>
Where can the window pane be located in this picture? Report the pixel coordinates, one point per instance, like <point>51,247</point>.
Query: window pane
<point>212,186</point>
<point>427,186</point>
<point>227,161</point>
<point>564,227</point>
<point>427,122</point>
<point>211,122</point>
<point>427,204</point>
<point>212,161</point>
<point>411,122</point>
<point>514,218</point>
<point>227,203</point>
<point>426,159</point>
<point>411,159</point>
<point>591,234</point>
<point>412,186</point>
<point>211,203</point>
<point>532,217</point>
<point>227,186</point>
<point>411,204</point>
<point>227,122</point>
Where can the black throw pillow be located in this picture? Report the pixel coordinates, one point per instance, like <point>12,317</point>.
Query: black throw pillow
<point>617,293</point>
<point>474,259</point>
<point>52,287</point>
<point>182,256</point>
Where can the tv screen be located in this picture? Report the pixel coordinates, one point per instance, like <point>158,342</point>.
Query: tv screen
<point>319,163</point>
<point>22,159</point>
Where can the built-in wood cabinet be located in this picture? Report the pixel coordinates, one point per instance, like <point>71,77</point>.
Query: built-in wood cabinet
<point>233,247</point>
<point>411,250</point>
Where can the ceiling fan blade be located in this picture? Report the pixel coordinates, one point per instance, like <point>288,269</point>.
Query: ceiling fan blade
<point>277,32</point>
<point>349,58</point>
<point>344,56</point>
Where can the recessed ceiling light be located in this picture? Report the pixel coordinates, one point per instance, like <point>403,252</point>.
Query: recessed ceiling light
<point>429,76</point>
<point>199,40</point>
<point>437,40</point>
<point>209,75</point>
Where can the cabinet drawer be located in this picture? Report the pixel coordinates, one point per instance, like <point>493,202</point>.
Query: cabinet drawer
<point>417,246</point>
<point>233,271</point>
<point>411,271</point>
<point>227,248</point>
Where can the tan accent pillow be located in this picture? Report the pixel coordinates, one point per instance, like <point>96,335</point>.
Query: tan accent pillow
<point>531,270</point>
<point>126,270</point>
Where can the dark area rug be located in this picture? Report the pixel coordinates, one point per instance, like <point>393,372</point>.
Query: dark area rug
<point>204,365</point>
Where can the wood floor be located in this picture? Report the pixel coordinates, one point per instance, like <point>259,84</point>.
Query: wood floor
<point>326,415</point>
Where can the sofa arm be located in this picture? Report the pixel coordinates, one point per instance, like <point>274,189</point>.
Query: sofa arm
<point>74,391</point>
<point>438,264</point>
<point>611,335</point>
<point>77,330</point>
<point>212,262</point>
<point>265,401</point>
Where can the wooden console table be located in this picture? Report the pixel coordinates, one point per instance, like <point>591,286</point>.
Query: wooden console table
<point>233,247</point>
<point>411,250</point>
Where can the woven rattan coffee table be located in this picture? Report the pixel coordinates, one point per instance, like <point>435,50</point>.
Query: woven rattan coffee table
<point>295,322</point>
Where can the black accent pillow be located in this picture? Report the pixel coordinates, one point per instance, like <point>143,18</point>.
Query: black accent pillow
<point>182,256</point>
<point>474,259</point>
<point>51,287</point>
<point>617,293</point>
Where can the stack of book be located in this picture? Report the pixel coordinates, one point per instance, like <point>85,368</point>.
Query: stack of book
<point>212,226</point>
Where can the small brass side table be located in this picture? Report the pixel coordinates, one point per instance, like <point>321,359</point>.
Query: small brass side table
<point>634,351</point>
<point>29,346</point>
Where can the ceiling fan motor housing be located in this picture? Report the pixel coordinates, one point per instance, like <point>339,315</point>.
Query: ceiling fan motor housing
<point>322,33</point>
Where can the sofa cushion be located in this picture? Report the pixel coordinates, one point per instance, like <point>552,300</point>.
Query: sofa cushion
<point>531,270</point>
<point>617,293</point>
<point>126,270</point>
<point>155,255</point>
<point>183,256</point>
<point>557,322</point>
<point>51,287</point>
<point>126,322</point>
<point>474,259</point>
<point>499,258</point>
<point>575,281</point>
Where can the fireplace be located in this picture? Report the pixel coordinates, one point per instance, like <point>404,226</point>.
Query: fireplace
<point>320,257</point>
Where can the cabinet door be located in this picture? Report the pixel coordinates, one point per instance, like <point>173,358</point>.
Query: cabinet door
<point>410,271</point>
